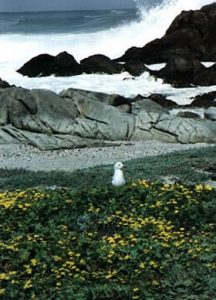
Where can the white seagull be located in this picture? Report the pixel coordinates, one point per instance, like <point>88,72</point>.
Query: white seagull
<point>118,176</point>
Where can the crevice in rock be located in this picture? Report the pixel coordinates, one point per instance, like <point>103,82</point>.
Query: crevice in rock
<point>127,132</point>
<point>48,130</point>
<point>9,133</point>
<point>31,111</point>
<point>168,132</point>
<point>146,130</point>
<point>99,121</point>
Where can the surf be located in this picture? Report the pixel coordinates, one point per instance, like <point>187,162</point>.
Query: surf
<point>150,22</point>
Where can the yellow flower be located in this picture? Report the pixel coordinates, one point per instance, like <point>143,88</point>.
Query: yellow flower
<point>111,274</point>
<point>198,187</point>
<point>27,285</point>
<point>34,262</point>
<point>142,265</point>
<point>2,291</point>
<point>158,204</point>
<point>208,187</point>
<point>57,258</point>
<point>4,276</point>
<point>28,270</point>
<point>82,262</point>
<point>127,257</point>
<point>153,264</point>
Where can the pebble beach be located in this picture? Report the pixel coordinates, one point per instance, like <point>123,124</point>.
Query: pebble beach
<point>14,156</point>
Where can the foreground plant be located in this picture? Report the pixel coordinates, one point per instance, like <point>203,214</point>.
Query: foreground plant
<point>147,240</point>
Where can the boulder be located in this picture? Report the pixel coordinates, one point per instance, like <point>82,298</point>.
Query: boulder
<point>41,65</point>
<point>187,130</point>
<point>110,99</point>
<point>77,118</point>
<point>66,65</point>
<point>100,64</point>
<point>132,54</point>
<point>37,110</point>
<point>125,108</point>
<point>101,121</point>
<point>62,64</point>
<point>182,72</point>
<point>149,106</point>
<point>163,101</point>
<point>11,135</point>
<point>205,100</point>
<point>135,68</point>
<point>4,84</point>
<point>210,113</point>
<point>191,34</point>
<point>203,22</point>
<point>188,114</point>
<point>159,51</point>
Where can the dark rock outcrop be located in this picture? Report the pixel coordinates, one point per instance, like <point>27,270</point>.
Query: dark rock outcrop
<point>163,101</point>
<point>205,100</point>
<point>62,64</point>
<point>191,34</point>
<point>189,40</point>
<point>183,72</point>
<point>4,84</point>
<point>135,68</point>
<point>100,64</point>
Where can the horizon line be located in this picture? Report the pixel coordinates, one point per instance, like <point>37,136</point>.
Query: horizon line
<point>64,10</point>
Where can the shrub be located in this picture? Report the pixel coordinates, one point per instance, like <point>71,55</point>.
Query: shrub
<point>146,240</point>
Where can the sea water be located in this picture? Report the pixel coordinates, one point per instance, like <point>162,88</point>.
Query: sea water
<point>84,33</point>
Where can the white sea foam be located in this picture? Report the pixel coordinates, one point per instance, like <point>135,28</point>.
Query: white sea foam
<point>151,23</point>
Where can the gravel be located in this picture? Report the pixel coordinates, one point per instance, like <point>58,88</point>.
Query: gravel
<point>13,156</point>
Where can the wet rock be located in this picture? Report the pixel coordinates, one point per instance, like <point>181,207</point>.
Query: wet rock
<point>42,65</point>
<point>205,100</point>
<point>182,72</point>
<point>136,68</point>
<point>163,101</point>
<point>190,35</point>
<point>100,64</point>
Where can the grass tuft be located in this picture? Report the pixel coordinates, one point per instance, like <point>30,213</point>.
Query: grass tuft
<point>189,166</point>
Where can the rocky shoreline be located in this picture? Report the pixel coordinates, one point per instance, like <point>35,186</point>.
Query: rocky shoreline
<point>189,41</point>
<point>13,156</point>
<point>77,118</point>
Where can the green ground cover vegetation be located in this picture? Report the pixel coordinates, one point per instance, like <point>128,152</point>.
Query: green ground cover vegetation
<point>88,240</point>
<point>189,166</point>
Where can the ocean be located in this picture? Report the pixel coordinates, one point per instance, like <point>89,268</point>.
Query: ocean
<point>84,33</point>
